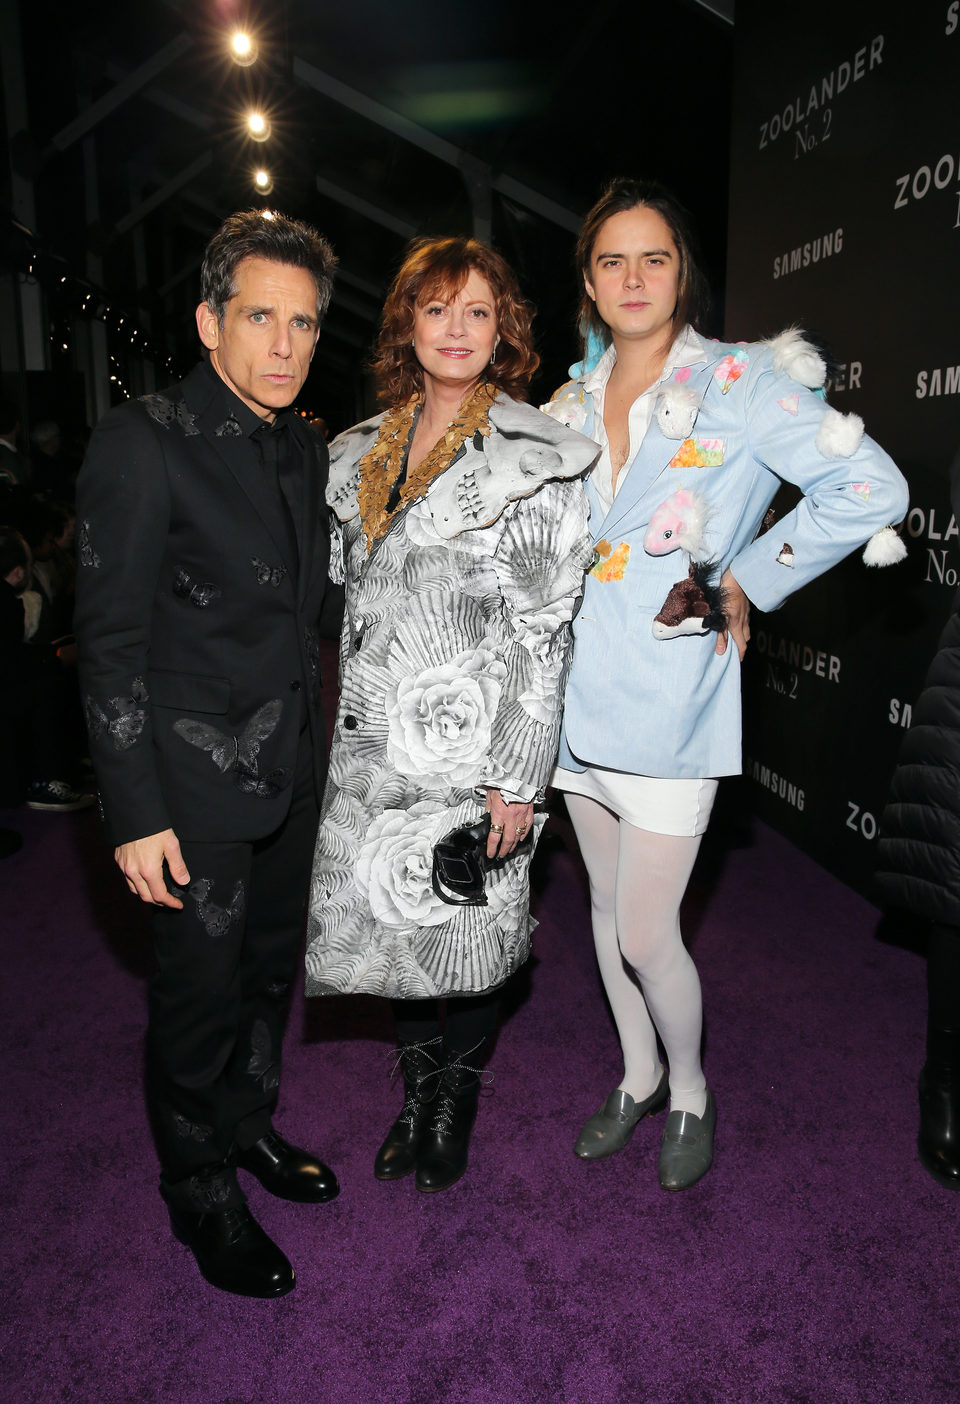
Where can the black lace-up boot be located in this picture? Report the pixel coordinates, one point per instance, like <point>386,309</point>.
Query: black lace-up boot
<point>444,1147</point>
<point>422,1069</point>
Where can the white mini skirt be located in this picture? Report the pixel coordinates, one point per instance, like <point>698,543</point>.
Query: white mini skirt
<point>680,807</point>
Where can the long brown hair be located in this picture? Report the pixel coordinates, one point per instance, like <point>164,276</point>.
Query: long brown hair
<point>693,292</point>
<point>438,268</point>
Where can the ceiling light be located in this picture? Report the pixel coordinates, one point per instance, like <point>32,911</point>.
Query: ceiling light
<point>243,48</point>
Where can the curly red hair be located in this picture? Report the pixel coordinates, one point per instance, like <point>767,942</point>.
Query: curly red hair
<point>438,268</point>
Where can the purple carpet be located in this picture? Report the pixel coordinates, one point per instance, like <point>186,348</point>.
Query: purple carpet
<point>816,1262</point>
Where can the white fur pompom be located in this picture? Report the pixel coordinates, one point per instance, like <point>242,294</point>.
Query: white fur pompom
<point>884,548</point>
<point>839,435</point>
<point>677,409</point>
<point>795,357</point>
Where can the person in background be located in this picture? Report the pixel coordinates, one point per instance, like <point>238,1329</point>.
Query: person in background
<point>918,869</point>
<point>34,721</point>
<point>53,473</point>
<point>14,466</point>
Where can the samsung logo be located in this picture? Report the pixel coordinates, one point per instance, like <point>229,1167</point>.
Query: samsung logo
<point>778,785</point>
<point>942,380</point>
<point>826,246</point>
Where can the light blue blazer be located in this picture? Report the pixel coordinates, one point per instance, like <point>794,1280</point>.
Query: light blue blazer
<point>741,422</point>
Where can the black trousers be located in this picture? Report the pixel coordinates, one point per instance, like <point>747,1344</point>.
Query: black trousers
<point>218,1001</point>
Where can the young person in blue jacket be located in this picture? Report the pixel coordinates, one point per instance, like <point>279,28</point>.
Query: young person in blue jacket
<point>696,437</point>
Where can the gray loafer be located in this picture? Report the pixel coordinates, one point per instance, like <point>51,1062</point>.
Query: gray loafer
<point>687,1150</point>
<point>611,1128</point>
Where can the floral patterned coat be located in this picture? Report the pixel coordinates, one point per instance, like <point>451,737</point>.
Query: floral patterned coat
<point>453,662</point>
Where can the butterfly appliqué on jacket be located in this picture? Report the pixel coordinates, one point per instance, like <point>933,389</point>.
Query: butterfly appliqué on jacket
<point>168,412</point>
<point>200,594</point>
<point>191,1130</point>
<point>124,729</point>
<point>217,921</point>
<point>240,754</point>
<point>267,574</point>
<point>261,1064</point>
<point>88,556</point>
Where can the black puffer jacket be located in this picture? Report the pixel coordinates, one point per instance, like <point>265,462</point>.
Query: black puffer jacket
<point>918,863</point>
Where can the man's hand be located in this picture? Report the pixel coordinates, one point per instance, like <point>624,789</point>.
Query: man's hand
<point>141,862</point>
<point>514,822</point>
<point>737,608</point>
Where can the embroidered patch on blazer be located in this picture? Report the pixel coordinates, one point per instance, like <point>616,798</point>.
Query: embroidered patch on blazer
<point>200,594</point>
<point>610,564</point>
<point>240,754</point>
<point>229,429</point>
<point>268,574</point>
<point>262,1065</point>
<point>191,1130</point>
<point>217,921</point>
<point>790,403</point>
<point>167,412</point>
<point>730,369</point>
<point>698,453</point>
<point>124,729</point>
<point>88,556</point>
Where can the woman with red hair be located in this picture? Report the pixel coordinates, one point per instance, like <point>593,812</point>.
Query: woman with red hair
<point>463,526</point>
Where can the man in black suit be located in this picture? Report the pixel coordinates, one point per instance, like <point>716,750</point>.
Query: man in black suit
<point>203,548</point>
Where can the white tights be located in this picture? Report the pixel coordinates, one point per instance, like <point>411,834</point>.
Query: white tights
<point>637,881</point>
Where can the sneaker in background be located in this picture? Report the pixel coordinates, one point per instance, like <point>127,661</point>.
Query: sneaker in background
<point>56,795</point>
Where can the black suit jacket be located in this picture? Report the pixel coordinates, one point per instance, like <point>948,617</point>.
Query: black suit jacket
<point>198,634</point>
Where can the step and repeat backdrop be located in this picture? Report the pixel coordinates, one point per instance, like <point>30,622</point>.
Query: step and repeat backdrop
<point>845,219</point>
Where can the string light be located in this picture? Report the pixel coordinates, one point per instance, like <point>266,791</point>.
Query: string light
<point>258,126</point>
<point>243,48</point>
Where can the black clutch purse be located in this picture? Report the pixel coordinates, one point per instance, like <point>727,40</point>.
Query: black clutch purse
<point>460,863</point>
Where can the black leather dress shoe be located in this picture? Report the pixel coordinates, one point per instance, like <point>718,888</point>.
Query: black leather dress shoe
<point>288,1172</point>
<point>233,1252</point>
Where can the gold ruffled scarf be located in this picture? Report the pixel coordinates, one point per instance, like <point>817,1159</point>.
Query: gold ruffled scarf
<point>381,467</point>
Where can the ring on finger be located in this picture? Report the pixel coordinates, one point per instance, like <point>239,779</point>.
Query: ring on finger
<point>496,828</point>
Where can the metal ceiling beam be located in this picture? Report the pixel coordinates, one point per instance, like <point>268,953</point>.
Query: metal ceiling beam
<point>723,9</point>
<point>376,112</point>
<point>173,105</point>
<point>403,127</point>
<point>178,278</point>
<point>119,94</point>
<point>159,196</point>
<point>374,290</point>
<point>348,303</point>
<point>340,334</point>
<point>394,222</point>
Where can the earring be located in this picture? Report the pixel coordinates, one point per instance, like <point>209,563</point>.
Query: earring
<point>494,356</point>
